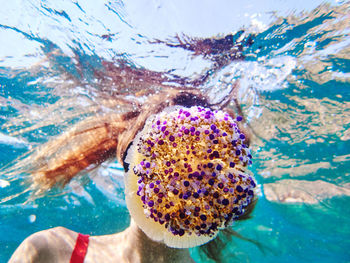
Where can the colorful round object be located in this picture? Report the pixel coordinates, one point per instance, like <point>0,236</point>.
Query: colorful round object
<point>186,177</point>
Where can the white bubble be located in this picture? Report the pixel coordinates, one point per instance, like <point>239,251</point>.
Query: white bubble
<point>4,183</point>
<point>32,218</point>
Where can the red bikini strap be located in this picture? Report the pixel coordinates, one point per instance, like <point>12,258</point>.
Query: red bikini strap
<point>80,249</point>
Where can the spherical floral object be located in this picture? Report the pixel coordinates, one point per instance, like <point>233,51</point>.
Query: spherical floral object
<point>187,177</point>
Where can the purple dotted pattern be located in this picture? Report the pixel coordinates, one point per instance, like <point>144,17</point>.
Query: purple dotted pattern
<point>192,177</point>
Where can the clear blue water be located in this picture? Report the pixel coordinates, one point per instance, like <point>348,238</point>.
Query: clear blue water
<point>294,90</point>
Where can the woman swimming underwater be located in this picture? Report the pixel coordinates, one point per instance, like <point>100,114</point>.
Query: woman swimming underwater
<point>186,178</point>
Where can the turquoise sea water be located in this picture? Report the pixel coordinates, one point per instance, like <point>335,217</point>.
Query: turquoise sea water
<point>294,91</point>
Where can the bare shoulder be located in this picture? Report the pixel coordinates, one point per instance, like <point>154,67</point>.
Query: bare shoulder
<point>52,245</point>
<point>108,248</point>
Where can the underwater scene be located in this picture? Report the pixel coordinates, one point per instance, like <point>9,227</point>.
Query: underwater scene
<point>288,63</point>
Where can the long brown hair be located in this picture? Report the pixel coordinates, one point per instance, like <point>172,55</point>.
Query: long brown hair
<point>94,140</point>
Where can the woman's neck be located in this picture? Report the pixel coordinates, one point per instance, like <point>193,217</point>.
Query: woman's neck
<point>142,249</point>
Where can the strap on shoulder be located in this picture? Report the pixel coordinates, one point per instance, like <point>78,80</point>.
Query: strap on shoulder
<point>80,249</point>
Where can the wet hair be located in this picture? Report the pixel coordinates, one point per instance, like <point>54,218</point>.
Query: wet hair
<point>188,100</point>
<point>221,50</point>
<point>212,249</point>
